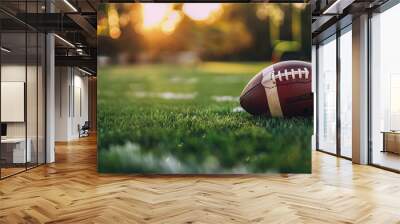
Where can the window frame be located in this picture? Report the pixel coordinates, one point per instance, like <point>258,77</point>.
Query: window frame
<point>339,32</point>
<point>378,10</point>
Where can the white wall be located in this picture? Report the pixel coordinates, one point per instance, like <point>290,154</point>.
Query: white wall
<point>71,94</point>
<point>12,73</point>
<point>80,109</point>
<point>62,82</point>
<point>33,126</point>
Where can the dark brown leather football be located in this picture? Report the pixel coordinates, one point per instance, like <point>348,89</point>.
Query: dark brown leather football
<point>280,90</point>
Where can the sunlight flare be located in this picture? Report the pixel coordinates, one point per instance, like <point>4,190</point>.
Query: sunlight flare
<point>201,11</point>
<point>154,14</point>
<point>169,25</point>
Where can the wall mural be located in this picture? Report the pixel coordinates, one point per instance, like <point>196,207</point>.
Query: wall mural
<point>204,88</point>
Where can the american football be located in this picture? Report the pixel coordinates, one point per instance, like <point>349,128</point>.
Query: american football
<point>280,90</point>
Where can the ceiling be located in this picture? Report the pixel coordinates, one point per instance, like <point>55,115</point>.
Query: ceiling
<point>330,15</point>
<point>74,22</point>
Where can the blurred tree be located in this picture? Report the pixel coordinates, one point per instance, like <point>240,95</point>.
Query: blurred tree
<point>246,32</point>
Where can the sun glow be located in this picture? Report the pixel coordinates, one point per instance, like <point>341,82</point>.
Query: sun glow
<point>113,22</point>
<point>169,25</point>
<point>160,16</point>
<point>154,14</point>
<point>163,16</point>
<point>201,11</point>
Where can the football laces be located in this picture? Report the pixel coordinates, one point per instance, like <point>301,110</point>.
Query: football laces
<point>290,74</point>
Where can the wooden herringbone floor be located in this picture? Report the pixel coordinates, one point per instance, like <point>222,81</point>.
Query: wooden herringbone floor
<point>71,191</point>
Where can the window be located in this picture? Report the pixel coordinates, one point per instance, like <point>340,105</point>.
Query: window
<point>22,77</point>
<point>346,92</point>
<point>385,89</point>
<point>327,96</point>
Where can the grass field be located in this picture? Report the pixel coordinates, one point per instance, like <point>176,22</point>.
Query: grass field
<point>176,119</point>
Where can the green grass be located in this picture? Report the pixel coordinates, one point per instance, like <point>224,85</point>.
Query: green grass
<point>141,130</point>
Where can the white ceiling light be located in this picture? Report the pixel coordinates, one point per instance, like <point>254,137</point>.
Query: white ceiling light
<point>79,51</point>
<point>337,7</point>
<point>70,5</point>
<point>65,41</point>
<point>84,71</point>
<point>5,50</point>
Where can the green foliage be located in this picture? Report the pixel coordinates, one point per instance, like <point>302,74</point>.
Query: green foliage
<point>240,32</point>
<point>142,130</point>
